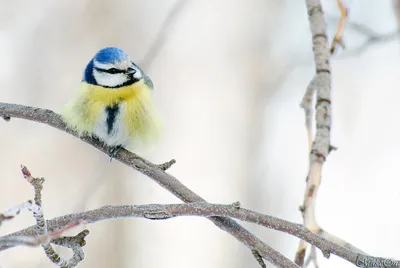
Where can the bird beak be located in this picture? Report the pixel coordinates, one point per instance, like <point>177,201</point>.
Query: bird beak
<point>131,70</point>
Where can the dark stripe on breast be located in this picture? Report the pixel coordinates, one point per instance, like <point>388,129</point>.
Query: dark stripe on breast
<point>112,113</point>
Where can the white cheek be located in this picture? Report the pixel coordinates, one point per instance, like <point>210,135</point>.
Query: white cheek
<point>109,80</point>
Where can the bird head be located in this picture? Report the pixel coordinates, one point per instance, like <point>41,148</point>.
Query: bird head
<point>111,67</point>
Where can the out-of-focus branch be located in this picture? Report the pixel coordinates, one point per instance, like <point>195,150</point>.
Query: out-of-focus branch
<point>372,37</point>
<point>396,10</point>
<point>321,84</point>
<point>10,213</point>
<point>159,41</point>
<point>204,209</point>
<point>154,172</point>
<point>312,257</point>
<point>338,39</point>
<point>75,243</point>
<point>339,241</point>
<point>37,240</point>
<point>33,240</point>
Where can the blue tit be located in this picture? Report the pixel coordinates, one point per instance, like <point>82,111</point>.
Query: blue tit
<point>114,102</point>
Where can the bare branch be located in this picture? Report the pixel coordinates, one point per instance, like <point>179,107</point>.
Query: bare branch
<point>154,172</point>
<point>167,165</point>
<point>42,236</point>
<point>14,211</point>
<point>312,257</point>
<point>204,209</point>
<point>372,37</point>
<point>259,258</point>
<point>37,240</point>
<point>321,144</point>
<point>159,41</point>
<point>338,39</point>
<point>339,241</point>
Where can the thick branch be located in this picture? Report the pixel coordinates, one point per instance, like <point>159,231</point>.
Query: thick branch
<point>154,172</point>
<point>204,209</point>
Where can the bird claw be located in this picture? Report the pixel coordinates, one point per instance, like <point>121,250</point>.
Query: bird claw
<point>114,151</point>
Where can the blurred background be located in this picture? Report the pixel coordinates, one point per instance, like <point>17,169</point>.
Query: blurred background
<point>229,76</point>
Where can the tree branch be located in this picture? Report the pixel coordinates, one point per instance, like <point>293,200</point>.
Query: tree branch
<point>153,171</point>
<point>204,209</point>
<point>338,39</point>
<point>159,41</point>
<point>10,213</point>
<point>42,237</point>
<point>321,83</point>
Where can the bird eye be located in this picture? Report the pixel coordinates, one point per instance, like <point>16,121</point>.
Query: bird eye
<point>113,71</point>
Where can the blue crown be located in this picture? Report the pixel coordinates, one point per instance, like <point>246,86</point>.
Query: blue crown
<point>110,55</point>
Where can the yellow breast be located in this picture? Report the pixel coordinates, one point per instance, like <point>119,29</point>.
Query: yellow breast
<point>111,96</point>
<point>86,113</point>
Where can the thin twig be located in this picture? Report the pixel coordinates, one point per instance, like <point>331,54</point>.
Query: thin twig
<point>259,258</point>
<point>42,231</point>
<point>37,240</point>
<point>167,165</point>
<point>159,41</point>
<point>14,211</point>
<point>204,209</point>
<point>321,145</point>
<point>154,172</point>
<point>372,37</point>
<point>338,39</point>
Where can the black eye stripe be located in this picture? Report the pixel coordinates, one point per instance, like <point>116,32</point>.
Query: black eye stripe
<point>110,71</point>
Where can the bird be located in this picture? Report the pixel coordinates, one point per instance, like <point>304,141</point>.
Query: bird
<point>114,103</point>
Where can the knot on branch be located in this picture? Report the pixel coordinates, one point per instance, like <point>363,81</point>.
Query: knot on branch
<point>158,215</point>
<point>318,155</point>
<point>72,241</point>
<point>326,253</point>
<point>236,205</point>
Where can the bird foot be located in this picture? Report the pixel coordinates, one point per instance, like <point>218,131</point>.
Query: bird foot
<point>114,151</point>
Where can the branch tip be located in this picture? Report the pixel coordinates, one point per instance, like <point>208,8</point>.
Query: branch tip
<point>258,257</point>
<point>167,165</point>
<point>25,172</point>
<point>332,148</point>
